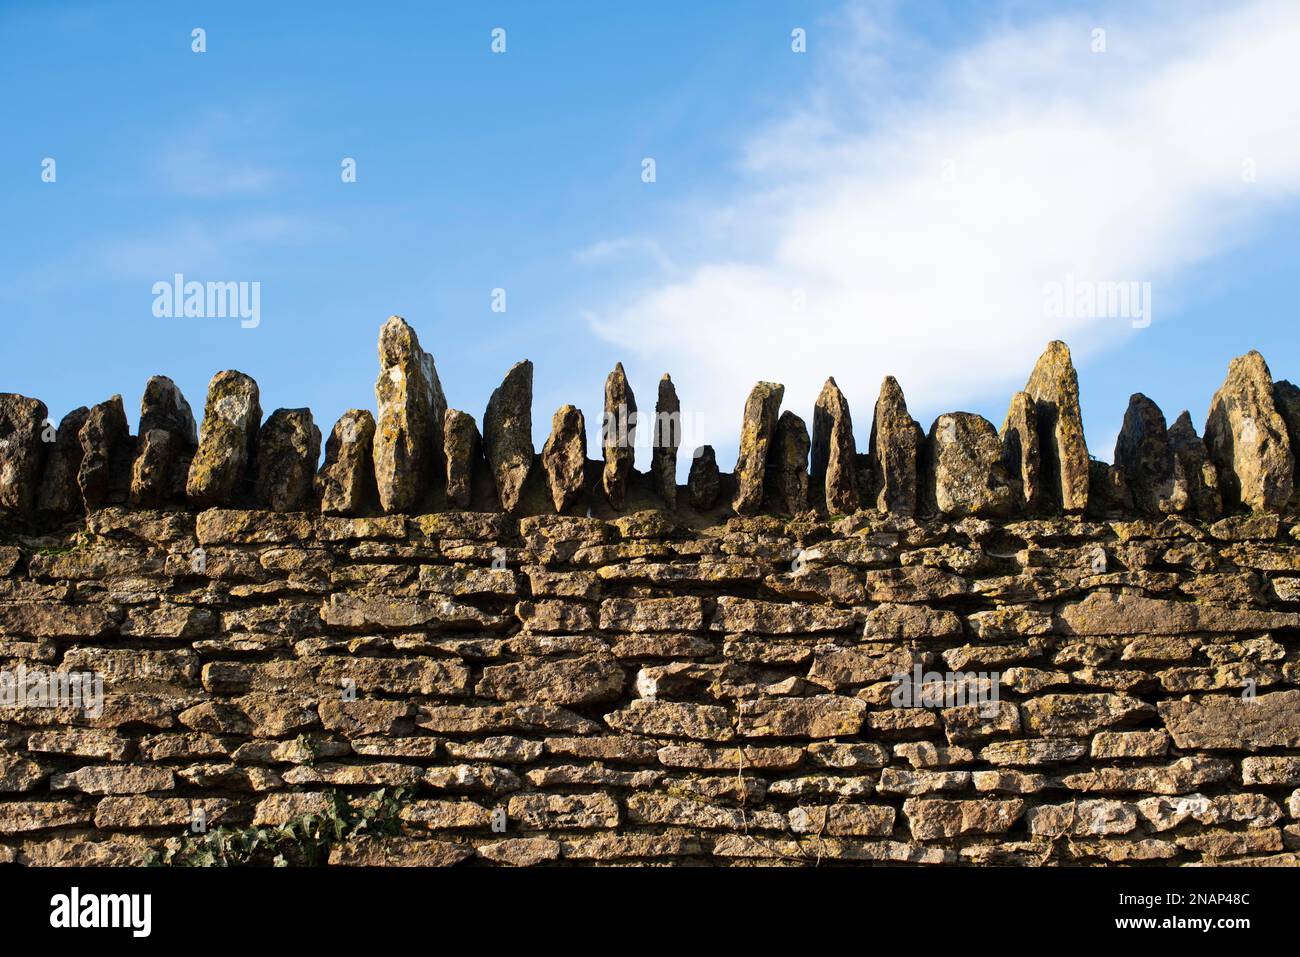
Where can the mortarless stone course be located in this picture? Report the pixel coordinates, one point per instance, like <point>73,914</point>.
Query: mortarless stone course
<point>668,681</point>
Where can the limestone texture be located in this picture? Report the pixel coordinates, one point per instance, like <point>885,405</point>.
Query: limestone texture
<point>704,483</point>
<point>1021,455</point>
<point>106,451</point>
<point>788,471</point>
<point>168,439</point>
<point>408,430</point>
<point>624,700</point>
<point>833,478</point>
<point>564,458</point>
<point>1248,440</point>
<point>346,482</point>
<point>222,464</point>
<point>757,429</point>
<point>22,451</point>
<point>59,493</point>
<point>1054,387</point>
<point>288,449</point>
<point>1205,501</point>
<point>618,433</point>
<point>953,683</point>
<point>667,440</point>
<point>1152,473</point>
<point>963,468</point>
<point>508,434</point>
<point>895,450</point>
<point>463,448</point>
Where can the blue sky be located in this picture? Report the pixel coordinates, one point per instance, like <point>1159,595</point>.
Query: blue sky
<point>913,180</point>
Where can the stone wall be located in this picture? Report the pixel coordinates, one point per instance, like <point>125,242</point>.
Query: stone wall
<point>639,690</point>
<point>966,646</point>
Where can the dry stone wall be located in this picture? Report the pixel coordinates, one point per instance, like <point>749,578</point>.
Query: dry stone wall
<point>964,646</point>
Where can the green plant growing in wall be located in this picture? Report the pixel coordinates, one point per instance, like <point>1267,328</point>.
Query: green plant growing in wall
<point>304,841</point>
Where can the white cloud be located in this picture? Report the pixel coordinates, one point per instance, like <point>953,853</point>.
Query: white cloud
<point>208,251</point>
<point>1123,165</point>
<point>606,250</point>
<point>205,161</point>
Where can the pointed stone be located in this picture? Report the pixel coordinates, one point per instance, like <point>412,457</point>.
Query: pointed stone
<point>1247,439</point>
<point>508,433</point>
<point>1020,453</point>
<point>789,463</point>
<point>757,430</point>
<point>833,478</point>
<point>667,439</point>
<point>1201,475</point>
<point>1152,474</point>
<point>287,452</point>
<point>618,430</point>
<point>704,484</point>
<point>408,432</point>
<point>895,444</point>
<point>1054,387</point>
<point>168,438</point>
<point>1286,397</point>
<point>163,406</point>
<point>59,493</point>
<point>22,450</point>
<point>462,448</point>
<point>565,457</point>
<point>155,456</point>
<point>106,451</point>
<point>964,472</point>
<point>227,441</point>
<point>346,483</point>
